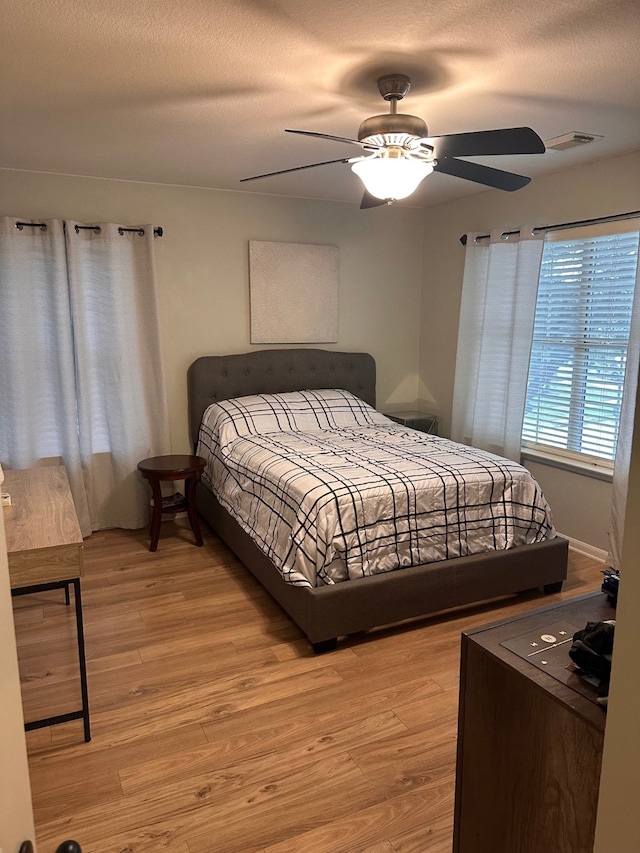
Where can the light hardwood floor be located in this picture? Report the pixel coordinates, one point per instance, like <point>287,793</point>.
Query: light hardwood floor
<point>217,730</point>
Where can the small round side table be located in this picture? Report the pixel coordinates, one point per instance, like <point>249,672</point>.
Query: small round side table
<point>175,467</point>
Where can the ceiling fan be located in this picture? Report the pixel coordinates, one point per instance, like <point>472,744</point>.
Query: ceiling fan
<point>400,153</point>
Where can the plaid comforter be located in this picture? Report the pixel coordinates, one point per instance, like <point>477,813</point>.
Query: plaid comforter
<point>333,504</point>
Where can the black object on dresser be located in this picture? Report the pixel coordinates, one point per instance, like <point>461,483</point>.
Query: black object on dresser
<point>530,735</point>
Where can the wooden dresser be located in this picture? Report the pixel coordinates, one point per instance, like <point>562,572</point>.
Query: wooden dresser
<point>529,741</point>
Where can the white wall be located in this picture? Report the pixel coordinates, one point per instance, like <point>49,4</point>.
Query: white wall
<point>202,268</point>
<point>581,504</point>
<point>16,815</point>
<point>617,824</point>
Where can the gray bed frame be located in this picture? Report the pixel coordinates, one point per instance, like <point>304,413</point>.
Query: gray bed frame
<point>328,612</point>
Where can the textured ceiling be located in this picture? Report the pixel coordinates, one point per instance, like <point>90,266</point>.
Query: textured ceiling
<point>198,92</point>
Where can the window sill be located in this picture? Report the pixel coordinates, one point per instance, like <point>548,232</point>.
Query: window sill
<point>586,469</point>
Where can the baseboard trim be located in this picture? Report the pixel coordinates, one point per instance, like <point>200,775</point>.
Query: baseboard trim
<point>586,549</point>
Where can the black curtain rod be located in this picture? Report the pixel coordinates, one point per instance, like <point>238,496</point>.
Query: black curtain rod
<point>613,218</point>
<point>157,232</point>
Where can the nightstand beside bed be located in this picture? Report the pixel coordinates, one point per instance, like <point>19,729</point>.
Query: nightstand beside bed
<point>421,421</point>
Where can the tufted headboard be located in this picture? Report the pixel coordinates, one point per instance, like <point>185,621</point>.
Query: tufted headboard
<point>220,377</point>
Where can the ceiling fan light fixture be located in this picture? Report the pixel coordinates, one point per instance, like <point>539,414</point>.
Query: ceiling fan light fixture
<point>391,178</point>
<point>402,153</point>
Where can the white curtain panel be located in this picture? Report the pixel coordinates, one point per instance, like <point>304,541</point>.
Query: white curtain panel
<point>82,379</point>
<point>494,340</point>
<point>625,435</point>
<point>122,407</point>
<point>38,416</point>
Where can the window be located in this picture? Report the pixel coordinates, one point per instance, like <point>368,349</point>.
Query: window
<point>580,339</point>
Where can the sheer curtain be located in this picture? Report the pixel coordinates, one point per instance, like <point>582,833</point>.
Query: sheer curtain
<point>625,434</point>
<point>81,371</point>
<point>494,340</point>
<point>38,415</point>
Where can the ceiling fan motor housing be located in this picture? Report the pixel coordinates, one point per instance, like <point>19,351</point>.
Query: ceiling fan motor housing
<point>394,86</point>
<point>392,129</point>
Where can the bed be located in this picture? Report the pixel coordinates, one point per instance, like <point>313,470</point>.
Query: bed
<point>337,609</point>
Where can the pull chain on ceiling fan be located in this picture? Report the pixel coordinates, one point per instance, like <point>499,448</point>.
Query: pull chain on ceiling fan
<point>400,152</point>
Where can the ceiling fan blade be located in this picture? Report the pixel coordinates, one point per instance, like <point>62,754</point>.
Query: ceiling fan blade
<point>369,200</point>
<point>510,140</point>
<point>295,169</point>
<point>329,136</point>
<point>486,175</point>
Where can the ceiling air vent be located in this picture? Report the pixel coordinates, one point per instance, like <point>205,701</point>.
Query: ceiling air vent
<point>570,140</point>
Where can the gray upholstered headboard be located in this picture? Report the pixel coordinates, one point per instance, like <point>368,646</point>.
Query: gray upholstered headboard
<point>220,377</point>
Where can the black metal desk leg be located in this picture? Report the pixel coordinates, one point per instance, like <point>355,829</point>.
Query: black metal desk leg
<point>82,659</point>
<point>83,713</point>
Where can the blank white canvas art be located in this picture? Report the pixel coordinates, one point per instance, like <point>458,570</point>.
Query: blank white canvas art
<point>294,293</point>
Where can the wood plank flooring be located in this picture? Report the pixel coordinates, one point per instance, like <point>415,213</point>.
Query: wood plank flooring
<point>217,730</point>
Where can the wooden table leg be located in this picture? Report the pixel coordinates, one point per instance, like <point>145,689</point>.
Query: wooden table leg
<point>156,518</point>
<point>192,512</point>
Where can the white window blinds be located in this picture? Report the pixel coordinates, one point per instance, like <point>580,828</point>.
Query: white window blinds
<point>580,339</point>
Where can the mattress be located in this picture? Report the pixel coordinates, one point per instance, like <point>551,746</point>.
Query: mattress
<point>331,490</point>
